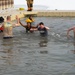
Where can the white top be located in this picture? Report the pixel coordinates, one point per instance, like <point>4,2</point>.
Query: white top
<point>8,29</point>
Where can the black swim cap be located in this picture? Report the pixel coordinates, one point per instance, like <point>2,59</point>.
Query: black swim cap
<point>41,23</point>
<point>1,19</point>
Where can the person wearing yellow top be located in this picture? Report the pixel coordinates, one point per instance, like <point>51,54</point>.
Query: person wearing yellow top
<point>30,20</point>
<point>30,5</point>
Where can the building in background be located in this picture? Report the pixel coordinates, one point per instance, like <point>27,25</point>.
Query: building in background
<point>5,4</point>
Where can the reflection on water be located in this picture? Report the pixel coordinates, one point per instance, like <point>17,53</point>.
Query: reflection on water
<point>7,50</point>
<point>71,40</point>
<point>73,51</point>
<point>43,41</point>
<point>30,54</point>
<point>44,52</point>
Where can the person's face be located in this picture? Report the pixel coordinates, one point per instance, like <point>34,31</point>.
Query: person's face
<point>9,18</point>
<point>41,26</point>
<point>30,17</point>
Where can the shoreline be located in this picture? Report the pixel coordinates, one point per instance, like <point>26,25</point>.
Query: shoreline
<point>38,13</point>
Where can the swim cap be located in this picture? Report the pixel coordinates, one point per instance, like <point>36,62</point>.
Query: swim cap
<point>41,23</point>
<point>1,19</point>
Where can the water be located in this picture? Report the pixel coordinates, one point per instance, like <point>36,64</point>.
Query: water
<point>30,54</point>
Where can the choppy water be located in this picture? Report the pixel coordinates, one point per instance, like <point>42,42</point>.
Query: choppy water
<point>30,54</point>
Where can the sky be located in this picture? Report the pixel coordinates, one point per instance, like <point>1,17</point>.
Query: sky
<point>52,4</point>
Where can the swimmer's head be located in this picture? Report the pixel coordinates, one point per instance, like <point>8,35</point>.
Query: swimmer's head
<point>28,23</point>
<point>41,23</point>
<point>8,18</point>
<point>1,19</point>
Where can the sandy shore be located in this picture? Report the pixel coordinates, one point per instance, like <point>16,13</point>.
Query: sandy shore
<point>14,12</point>
<point>11,13</point>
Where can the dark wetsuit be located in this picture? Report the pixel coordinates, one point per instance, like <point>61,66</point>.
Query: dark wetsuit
<point>43,31</point>
<point>28,28</point>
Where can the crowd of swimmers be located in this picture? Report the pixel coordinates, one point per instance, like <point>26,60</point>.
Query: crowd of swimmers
<point>7,26</point>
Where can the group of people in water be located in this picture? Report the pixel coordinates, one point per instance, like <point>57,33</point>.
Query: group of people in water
<point>7,27</point>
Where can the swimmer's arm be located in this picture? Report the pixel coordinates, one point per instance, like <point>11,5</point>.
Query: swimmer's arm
<point>17,24</point>
<point>33,29</point>
<point>47,27</point>
<point>34,26</point>
<point>22,24</point>
<point>69,31</point>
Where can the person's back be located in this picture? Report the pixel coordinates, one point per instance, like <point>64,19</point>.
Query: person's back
<point>8,29</point>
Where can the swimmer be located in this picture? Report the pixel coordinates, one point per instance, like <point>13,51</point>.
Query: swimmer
<point>1,24</point>
<point>1,27</point>
<point>8,27</point>
<point>42,29</point>
<point>73,28</point>
<point>28,26</point>
<point>30,19</point>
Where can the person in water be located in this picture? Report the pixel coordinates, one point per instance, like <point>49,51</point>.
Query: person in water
<point>28,26</point>
<point>42,29</point>
<point>73,28</point>
<point>1,24</point>
<point>68,31</point>
<point>8,27</point>
<point>30,19</point>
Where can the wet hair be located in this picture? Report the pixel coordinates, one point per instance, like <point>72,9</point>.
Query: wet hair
<point>8,17</point>
<point>30,17</point>
<point>41,23</point>
<point>1,19</point>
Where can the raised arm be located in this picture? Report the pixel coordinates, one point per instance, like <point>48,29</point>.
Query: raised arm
<point>22,23</point>
<point>69,31</point>
<point>34,28</point>
<point>17,18</point>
